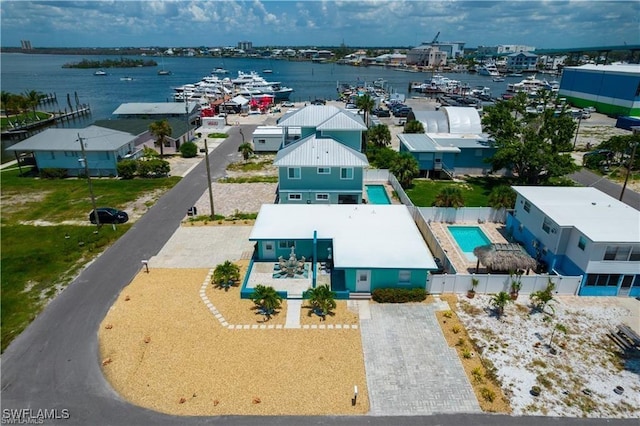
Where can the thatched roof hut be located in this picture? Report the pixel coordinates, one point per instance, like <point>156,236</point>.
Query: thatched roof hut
<point>504,257</point>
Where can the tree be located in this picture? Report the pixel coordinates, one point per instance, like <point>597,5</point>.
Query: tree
<point>621,147</point>
<point>322,300</point>
<point>127,168</point>
<point>32,99</point>
<point>541,299</point>
<point>246,149</point>
<point>499,301</point>
<point>381,157</point>
<point>405,168</point>
<point>365,103</point>
<point>266,299</point>
<point>413,126</point>
<point>225,275</point>
<point>449,196</point>
<point>534,147</point>
<point>502,197</point>
<point>379,135</point>
<point>160,130</point>
<point>189,150</point>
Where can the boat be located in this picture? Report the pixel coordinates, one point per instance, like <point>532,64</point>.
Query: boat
<point>126,78</point>
<point>99,73</point>
<point>164,72</point>
<point>267,71</point>
<point>514,74</point>
<point>488,69</point>
<point>498,79</point>
<point>220,70</point>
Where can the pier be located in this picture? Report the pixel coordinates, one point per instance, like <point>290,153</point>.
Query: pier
<point>22,130</point>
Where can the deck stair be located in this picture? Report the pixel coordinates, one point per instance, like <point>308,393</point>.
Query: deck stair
<point>626,339</point>
<point>360,296</point>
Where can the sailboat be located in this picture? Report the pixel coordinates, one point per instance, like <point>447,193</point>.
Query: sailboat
<point>162,71</point>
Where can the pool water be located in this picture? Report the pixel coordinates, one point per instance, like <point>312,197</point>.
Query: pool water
<point>377,194</point>
<point>468,238</point>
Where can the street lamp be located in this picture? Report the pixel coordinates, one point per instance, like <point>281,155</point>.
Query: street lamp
<point>83,162</point>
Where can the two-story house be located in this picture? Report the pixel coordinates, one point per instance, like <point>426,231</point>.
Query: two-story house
<point>580,231</point>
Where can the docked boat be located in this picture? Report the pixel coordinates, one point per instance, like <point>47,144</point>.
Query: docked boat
<point>498,79</point>
<point>100,73</point>
<point>489,70</point>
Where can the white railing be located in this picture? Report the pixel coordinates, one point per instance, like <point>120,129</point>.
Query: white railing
<point>494,283</point>
<point>463,214</point>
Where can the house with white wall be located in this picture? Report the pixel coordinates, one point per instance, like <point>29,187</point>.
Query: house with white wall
<point>580,231</point>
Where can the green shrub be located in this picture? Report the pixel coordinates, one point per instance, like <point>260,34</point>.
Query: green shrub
<point>487,394</point>
<point>127,168</point>
<point>398,295</point>
<point>53,173</point>
<point>189,150</point>
<point>153,168</point>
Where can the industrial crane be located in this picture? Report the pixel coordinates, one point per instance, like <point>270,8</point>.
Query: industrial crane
<point>435,39</point>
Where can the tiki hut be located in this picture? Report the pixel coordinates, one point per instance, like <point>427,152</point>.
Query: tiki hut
<point>504,257</point>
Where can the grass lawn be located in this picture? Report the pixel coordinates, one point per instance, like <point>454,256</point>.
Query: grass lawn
<point>475,190</point>
<point>38,261</point>
<point>26,117</point>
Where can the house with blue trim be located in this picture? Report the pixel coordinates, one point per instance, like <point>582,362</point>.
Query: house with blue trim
<point>580,231</point>
<point>522,61</point>
<point>364,246</point>
<point>60,149</point>
<point>319,169</point>
<point>453,142</point>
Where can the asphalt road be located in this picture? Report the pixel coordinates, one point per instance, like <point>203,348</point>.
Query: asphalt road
<point>54,364</point>
<point>588,178</point>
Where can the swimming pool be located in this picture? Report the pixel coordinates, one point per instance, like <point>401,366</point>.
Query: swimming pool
<point>377,194</point>
<point>468,238</point>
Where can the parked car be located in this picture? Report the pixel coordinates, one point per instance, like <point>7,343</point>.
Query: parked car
<point>590,109</point>
<point>318,102</point>
<point>380,112</point>
<point>108,215</point>
<point>351,106</point>
<point>585,114</point>
<point>402,112</point>
<point>288,104</point>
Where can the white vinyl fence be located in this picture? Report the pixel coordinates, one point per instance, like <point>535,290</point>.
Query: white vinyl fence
<point>376,175</point>
<point>463,214</point>
<point>494,283</point>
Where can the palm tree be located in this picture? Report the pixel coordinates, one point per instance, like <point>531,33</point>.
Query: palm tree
<point>379,135</point>
<point>413,126</point>
<point>246,149</point>
<point>266,299</point>
<point>405,168</point>
<point>32,99</point>
<point>502,197</point>
<point>322,300</point>
<point>449,196</point>
<point>160,130</point>
<point>365,103</point>
<point>226,275</point>
<point>499,301</point>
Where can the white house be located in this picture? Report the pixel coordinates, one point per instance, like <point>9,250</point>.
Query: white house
<point>580,231</point>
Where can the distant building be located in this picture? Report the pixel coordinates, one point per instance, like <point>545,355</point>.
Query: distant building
<point>523,61</point>
<point>612,89</point>
<point>502,49</point>
<point>25,44</point>
<point>420,54</point>
<point>245,45</point>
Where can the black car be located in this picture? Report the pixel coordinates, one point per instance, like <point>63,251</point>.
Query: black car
<point>108,215</point>
<point>402,112</point>
<point>379,112</point>
<point>318,102</point>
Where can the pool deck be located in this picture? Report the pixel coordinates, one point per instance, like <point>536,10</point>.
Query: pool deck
<point>494,231</point>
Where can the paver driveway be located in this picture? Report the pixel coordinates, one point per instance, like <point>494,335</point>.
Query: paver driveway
<point>410,369</point>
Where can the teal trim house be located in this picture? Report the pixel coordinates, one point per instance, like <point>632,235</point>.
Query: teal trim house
<point>60,149</point>
<point>319,170</point>
<point>580,231</point>
<point>365,246</point>
<point>325,121</point>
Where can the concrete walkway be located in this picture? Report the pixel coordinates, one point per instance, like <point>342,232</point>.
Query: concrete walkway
<point>410,368</point>
<point>294,306</point>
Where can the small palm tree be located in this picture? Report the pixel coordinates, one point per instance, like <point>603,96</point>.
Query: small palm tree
<point>379,135</point>
<point>365,103</point>
<point>449,196</point>
<point>266,299</point>
<point>499,301</point>
<point>502,197</point>
<point>160,130</point>
<point>404,167</point>
<point>413,126</point>
<point>226,275</point>
<point>322,300</point>
<point>32,99</point>
<point>542,298</point>
<point>246,149</point>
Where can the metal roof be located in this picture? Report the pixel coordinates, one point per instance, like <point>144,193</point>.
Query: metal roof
<point>364,235</point>
<point>138,126</point>
<point>323,117</point>
<point>315,151</point>
<point>616,68</point>
<point>419,142</point>
<point>463,119</point>
<point>95,139</point>
<point>155,108</point>
<point>432,121</point>
<point>592,212</point>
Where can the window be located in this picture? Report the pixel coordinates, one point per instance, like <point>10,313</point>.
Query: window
<point>324,170</point>
<point>295,196</point>
<point>603,280</point>
<point>322,197</point>
<point>527,206</point>
<point>346,173</point>
<point>635,254</point>
<point>262,141</point>
<point>286,244</point>
<point>546,225</point>
<point>404,277</point>
<point>619,253</point>
<point>294,172</point>
<point>582,243</point>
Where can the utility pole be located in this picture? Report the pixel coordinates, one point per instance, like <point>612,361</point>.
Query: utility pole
<point>86,171</point>
<point>626,178</point>
<point>575,140</point>
<point>206,155</point>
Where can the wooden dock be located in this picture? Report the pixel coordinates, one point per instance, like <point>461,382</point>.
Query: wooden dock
<point>24,130</point>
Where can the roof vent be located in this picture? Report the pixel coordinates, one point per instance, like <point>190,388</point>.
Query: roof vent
<point>593,203</point>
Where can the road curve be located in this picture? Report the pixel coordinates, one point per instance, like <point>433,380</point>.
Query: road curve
<point>54,364</point>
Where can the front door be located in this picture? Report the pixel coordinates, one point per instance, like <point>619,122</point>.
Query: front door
<point>625,288</point>
<point>363,280</point>
<point>269,249</point>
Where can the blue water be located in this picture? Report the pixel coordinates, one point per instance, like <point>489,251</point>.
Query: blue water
<point>468,238</point>
<point>44,73</point>
<point>377,194</point>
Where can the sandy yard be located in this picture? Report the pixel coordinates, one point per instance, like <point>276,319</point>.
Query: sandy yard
<point>579,380</point>
<point>163,349</point>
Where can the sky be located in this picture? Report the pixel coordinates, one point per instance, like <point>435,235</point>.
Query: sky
<point>356,23</point>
